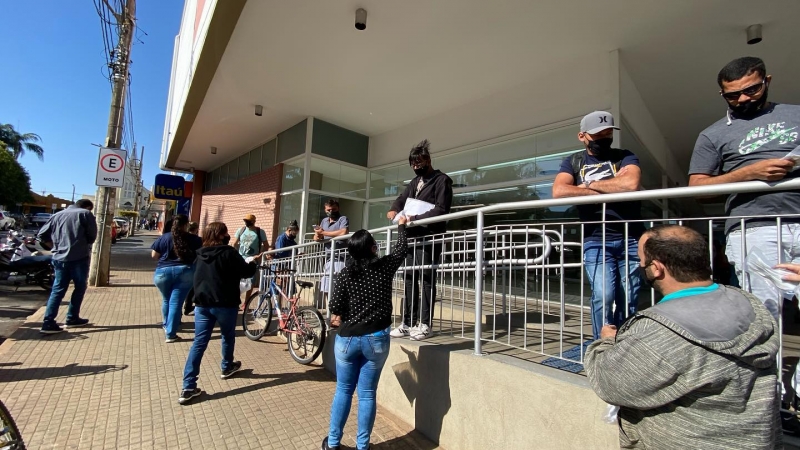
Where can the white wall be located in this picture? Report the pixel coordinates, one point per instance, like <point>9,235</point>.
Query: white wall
<point>567,92</point>
<point>188,45</point>
<point>636,115</point>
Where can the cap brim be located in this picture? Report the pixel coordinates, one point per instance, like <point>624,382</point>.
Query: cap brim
<point>599,129</point>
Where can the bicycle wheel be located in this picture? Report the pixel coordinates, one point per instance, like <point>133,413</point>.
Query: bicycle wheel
<point>257,315</point>
<point>308,335</point>
<point>10,437</point>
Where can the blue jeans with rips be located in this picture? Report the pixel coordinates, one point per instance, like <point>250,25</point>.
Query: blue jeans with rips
<point>174,283</point>
<point>608,281</point>
<point>204,320</point>
<point>359,361</point>
<point>66,271</point>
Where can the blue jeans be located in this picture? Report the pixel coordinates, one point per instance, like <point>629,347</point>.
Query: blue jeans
<point>66,271</point>
<point>608,292</point>
<point>174,284</point>
<point>359,361</point>
<point>204,320</point>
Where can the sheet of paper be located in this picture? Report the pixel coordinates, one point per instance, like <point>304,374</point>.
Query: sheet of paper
<point>794,155</point>
<point>413,207</point>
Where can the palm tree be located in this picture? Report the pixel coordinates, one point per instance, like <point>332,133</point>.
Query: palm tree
<point>18,143</point>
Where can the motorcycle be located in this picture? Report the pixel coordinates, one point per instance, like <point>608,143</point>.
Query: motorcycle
<point>26,246</point>
<point>29,270</point>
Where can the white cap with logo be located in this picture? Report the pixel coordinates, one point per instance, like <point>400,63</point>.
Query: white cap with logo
<point>597,121</point>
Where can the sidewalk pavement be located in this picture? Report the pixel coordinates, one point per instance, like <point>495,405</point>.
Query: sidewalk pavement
<point>115,384</point>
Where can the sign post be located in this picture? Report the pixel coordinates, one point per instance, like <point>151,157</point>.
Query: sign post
<point>110,167</point>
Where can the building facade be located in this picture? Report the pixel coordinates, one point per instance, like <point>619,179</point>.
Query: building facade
<point>277,106</point>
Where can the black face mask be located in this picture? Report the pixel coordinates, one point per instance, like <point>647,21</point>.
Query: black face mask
<point>226,240</point>
<point>333,214</point>
<point>750,108</point>
<point>292,236</point>
<point>650,282</point>
<point>600,147</point>
<point>248,223</point>
<point>420,171</point>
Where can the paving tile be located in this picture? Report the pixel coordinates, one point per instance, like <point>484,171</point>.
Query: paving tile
<point>115,384</point>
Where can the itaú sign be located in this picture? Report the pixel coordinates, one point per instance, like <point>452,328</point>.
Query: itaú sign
<point>172,187</point>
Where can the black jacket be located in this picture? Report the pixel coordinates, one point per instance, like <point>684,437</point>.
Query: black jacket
<point>362,291</point>
<point>217,272</point>
<point>438,189</point>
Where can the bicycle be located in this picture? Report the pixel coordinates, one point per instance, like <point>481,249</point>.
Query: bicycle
<point>10,437</point>
<point>303,327</point>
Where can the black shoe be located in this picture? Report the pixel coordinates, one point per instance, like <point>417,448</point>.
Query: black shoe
<point>235,367</point>
<point>325,445</point>
<point>790,424</point>
<point>50,328</point>
<point>76,323</point>
<point>188,394</point>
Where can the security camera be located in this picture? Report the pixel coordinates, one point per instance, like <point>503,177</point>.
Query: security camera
<point>259,110</point>
<point>753,34</point>
<point>361,19</point>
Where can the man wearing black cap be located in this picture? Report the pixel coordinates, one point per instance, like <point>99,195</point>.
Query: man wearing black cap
<point>610,248</point>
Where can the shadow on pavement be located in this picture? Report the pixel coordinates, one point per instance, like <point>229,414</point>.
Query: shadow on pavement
<point>413,440</point>
<point>320,375</point>
<point>45,373</point>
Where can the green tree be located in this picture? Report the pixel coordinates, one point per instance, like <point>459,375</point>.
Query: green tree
<point>16,185</point>
<point>19,143</point>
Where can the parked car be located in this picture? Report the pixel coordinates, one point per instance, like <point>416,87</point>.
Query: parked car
<point>6,221</point>
<point>40,219</point>
<point>123,226</point>
<point>113,232</point>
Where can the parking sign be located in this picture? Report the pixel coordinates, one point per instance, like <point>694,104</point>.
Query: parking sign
<point>110,167</point>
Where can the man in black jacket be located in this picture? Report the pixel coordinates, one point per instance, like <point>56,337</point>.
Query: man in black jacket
<point>218,269</point>
<point>434,187</point>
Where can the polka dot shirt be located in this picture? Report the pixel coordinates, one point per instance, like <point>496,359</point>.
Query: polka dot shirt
<point>363,298</point>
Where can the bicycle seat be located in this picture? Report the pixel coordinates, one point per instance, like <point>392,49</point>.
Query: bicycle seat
<point>304,284</point>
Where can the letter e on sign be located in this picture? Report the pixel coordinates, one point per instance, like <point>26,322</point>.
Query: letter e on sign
<point>110,167</point>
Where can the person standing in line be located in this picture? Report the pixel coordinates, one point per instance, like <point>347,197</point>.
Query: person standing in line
<point>219,268</point>
<point>175,252</point>
<point>332,225</point>
<point>194,228</point>
<point>611,266</point>
<point>69,234</point>
<point>250,240</point>
<point>362,303</point>
<point>286,239</point>
<point>699,369</point>
<point>434,187</point>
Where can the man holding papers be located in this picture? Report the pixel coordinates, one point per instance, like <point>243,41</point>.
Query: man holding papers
<point>429,194</point>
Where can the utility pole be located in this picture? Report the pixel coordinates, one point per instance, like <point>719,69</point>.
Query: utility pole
<point>100,267</point>
<point>138,191</point>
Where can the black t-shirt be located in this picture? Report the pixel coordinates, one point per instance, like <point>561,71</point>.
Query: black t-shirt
<point>594,168</point>
<point>732,143</point>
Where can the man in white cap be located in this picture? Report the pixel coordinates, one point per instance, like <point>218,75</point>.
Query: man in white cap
<point>609,242</point>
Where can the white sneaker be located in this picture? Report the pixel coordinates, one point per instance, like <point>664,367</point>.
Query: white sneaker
<point>402,331</point>
<point>423,332</point>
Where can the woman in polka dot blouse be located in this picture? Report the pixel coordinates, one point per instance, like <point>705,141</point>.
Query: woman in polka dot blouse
<point>362,298</point>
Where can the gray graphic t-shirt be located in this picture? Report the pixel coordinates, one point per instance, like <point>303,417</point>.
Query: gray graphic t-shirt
<point>723,148</point>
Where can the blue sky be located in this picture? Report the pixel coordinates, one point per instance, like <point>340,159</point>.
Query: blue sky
<point>53,85</point>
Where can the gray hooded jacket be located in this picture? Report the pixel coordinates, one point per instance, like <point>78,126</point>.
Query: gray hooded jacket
<point>696,372</point>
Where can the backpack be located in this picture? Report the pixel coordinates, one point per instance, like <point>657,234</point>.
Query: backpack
<point>258,235</point>
<point>577,160</point>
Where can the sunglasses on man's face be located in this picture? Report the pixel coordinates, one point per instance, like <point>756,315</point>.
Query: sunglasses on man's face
<point>748,91</point>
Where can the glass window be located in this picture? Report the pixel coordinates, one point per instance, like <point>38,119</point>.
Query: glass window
<point>377,214</point>
<point>223,175</point>
<point>268,151</point>
<point>255,161</point>
<point>215,181</point>
<point>291,206</point>
<point>337,179</point>
<point>244,166</point>
<point>292,177</point>
<point>387,182</point>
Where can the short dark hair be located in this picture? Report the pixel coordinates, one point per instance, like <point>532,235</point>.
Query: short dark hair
<point>332,202</point>
<point>682,250</point>
<point>740,68</point>
<point>293,226</point>
<point>420,152</point>
<point>84,203</point>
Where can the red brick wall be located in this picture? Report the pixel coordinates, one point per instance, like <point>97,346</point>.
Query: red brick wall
<point>257,194</point>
